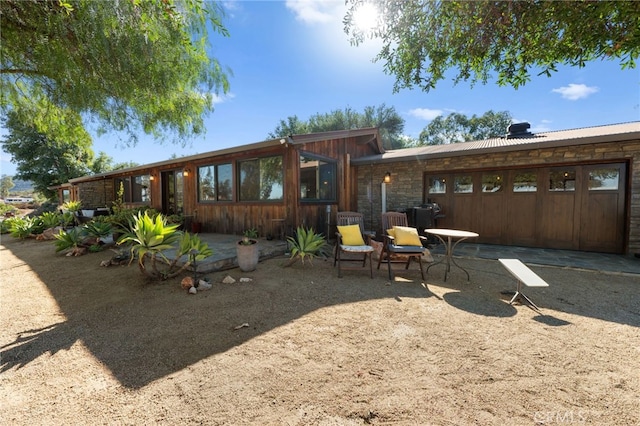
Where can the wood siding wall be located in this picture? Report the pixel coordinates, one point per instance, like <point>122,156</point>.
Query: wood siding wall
<point>268,217</point>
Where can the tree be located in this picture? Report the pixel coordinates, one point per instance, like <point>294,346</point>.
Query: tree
<point>293,126</point>
<point>6,183</point>
<point>390,123</point>
<point>102,163</point>
<point>127,65</point>
<point>421,39</point>
<point>458,127</point>
<point>43,160</point>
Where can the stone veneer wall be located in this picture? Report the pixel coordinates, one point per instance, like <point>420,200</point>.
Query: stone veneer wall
<point>98,193</point>
<point>406,187</point>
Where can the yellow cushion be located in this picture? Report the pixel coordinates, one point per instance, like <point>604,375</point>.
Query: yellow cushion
<point>407,236</point>
<point>391,232</point>
<point>351,235</point>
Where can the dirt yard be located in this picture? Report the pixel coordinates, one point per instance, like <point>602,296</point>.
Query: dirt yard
<point>84,344</point>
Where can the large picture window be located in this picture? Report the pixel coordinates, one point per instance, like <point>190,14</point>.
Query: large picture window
<point>215,183</point>
<point>317,179</point>
<point>136,189</point>
<point>261,179</point>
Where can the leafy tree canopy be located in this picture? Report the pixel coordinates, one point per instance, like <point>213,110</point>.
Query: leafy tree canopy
<point>43,160</point>
<point>385,118</point>
<point>124,65</point>
<point>459,128</point>
<point>6,183</point>
<point>422,39</point>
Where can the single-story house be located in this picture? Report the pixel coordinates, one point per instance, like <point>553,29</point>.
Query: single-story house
<point>572,189</point>
<point>271,186</point>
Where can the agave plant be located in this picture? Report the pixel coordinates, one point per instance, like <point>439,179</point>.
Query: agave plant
<point>23,227</point>
<point>72,206</point>
<point>96,230</point>
<point>68,240</point>
<point>152,237</point>
<point>306,244</point>
<point>50,219</point>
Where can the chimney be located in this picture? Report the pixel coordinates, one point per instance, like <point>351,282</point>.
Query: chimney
<point>519,130</point>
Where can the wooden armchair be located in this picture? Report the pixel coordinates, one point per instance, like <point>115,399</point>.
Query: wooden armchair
<point>352,240</point>
<point>401,242</point>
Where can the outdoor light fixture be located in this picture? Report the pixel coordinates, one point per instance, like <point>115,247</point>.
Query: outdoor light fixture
<point>185,172</point>
<point>387,178</point>
<point>152,177</point>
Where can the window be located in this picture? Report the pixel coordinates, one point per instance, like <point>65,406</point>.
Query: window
<point>317,179</point>
<point>215,183</point>
<point>525,182</point>
<point>463,184</point>
<point>140,192</point>
<point>261,179</point>
<point>437,185</point>
<point>135,189</point>
<point>604,179</point>
<point>562,180</point>
<point>66,195</point>
<point>492,182</point>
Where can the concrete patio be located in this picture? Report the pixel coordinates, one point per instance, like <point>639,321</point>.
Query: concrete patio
<point>224,255</point>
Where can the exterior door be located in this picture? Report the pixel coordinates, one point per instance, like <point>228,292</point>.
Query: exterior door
<point>172,192</point>
<point>603,205</point>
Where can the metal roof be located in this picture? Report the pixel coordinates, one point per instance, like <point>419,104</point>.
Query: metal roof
<point>586,135</point>
<point>293,140</point>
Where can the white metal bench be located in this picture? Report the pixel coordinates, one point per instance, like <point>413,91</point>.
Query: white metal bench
<point>525,276</point>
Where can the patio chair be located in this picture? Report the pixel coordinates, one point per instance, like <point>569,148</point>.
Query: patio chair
<point>401,242</point>
<point>352,240</point>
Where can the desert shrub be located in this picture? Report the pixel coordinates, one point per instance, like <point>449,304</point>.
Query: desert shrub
<point>50,219</point>
<point>68,240</point>
<point>96,230</point>
<point>307,244</point>
<point>22,227</point>
<point>7,208</point>
<point>151,237</point>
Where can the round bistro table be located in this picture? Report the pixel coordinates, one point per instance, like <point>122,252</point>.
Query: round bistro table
<point>450,238</point>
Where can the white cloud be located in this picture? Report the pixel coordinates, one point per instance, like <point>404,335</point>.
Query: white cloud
<point>425,113</point>
<point>316,11</point>
<point>573,92</point>
<point>218,99</point>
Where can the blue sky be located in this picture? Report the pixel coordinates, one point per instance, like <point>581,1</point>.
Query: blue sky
<point>293,58</point>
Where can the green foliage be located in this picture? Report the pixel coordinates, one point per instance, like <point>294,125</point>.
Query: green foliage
<point>97,230</point>
<point>251,233</point>
<point>67,219</point>
<point>95,248</point>
<point>67,240</point>
<point>422,39</point>
<point>127,65</point>
<point>50,219</point>
<point>390,123</point>
<point>7,208</point>
<point>22,227</point>
<point>307,244</point>
<point>118,203</point>
<point>458,127</point>
<point>151,237</point>
<point>72,206</point>
<point>5,226</point>
<point>122,219</point>
<point>6,183</point>
<point>45,160</point>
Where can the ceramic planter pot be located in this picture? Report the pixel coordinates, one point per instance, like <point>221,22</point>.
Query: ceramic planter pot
<point>248,255</point>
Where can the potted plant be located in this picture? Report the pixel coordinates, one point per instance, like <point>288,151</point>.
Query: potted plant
<point>247,250</point>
